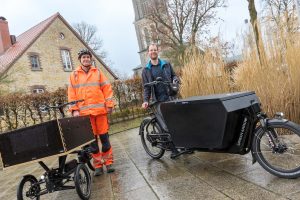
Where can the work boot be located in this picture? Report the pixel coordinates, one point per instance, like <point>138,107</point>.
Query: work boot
<point>110,168</point>
<point>98,171</point>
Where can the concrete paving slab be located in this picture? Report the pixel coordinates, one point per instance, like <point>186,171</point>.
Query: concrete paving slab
<point>250,191</point>
<point>138,194</point>
<point>236,165</point>
<point>200,175</point>
<point>272,183</point>
<point>186,187</point>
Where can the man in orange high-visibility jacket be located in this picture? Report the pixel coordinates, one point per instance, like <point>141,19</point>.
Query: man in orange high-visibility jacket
<point>90,84</point>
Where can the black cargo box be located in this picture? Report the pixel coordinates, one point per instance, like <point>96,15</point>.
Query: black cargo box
<point>50,138</point>
<point>213,122</point>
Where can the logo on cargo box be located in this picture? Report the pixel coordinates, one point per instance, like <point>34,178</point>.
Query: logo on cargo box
<point>242,131</point>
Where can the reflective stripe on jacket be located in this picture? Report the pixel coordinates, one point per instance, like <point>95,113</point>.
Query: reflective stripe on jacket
<point>94,88</point>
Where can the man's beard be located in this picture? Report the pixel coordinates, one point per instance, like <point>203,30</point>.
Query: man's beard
<point>154,57</point>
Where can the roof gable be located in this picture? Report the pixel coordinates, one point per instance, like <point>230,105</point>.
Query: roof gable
<point>23,42</point>
<point>26,39</point>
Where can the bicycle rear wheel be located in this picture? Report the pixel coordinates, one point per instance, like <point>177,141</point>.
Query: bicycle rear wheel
<point>150,141</point>
<point>82,181</point>
<point>283,159</point>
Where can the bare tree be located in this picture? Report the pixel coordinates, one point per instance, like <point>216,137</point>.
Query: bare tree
<point>180,22</point>
<point>89,34</point>
<point>257,35</point>
<point>282,13</point>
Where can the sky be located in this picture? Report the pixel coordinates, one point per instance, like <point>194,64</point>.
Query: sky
<point>114,21</point>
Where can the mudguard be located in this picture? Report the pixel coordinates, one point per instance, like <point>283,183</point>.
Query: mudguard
<point>145,120</point>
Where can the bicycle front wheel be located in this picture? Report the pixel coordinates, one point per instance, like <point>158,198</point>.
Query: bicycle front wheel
<point>28,188</point>
<point>82,181</point>
<point>277,150</point>
<point>148,132</point>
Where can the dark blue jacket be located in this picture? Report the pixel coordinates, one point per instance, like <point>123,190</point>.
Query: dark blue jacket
<point>147,76</point>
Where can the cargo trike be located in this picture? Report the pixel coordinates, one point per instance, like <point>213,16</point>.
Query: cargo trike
<point>59,137</point>
<point>225,123</point>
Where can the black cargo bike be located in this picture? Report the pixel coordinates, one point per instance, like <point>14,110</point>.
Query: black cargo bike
<point>224,123</point>
<point>59,137</point>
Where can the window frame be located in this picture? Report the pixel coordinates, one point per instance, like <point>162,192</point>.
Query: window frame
<point>38,88</point>
<point>66,59</point>
<point>34,56</point>
<point>94,63</point>
<point>62,36</point>
<point>147,36</point>
<point>38,91</point>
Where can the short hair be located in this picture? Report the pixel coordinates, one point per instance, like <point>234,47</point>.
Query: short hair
<point>152,44</point>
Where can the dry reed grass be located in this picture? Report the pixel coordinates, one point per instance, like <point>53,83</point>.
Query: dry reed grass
<point>276,82</point>
<point>204,75</point>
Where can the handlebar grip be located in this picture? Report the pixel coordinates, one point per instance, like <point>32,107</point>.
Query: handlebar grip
<point>151,83</point>
<point>74,102</point>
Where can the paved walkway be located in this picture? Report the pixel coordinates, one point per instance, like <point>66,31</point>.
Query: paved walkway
<point>195,176</point>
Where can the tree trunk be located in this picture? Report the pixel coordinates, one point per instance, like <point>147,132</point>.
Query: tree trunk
<point>253,20</point>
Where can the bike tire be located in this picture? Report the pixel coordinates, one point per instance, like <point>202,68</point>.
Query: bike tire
<point>280,164</point>
<point>28,179</point>
<point>154,152</point>
<point>80,179</point>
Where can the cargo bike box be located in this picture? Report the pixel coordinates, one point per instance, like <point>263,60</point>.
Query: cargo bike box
<point>217,122</point>
<point>55,137</point>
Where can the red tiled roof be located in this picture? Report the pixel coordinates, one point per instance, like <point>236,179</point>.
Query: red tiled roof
<point>26,39</point>
<point>23,42</point>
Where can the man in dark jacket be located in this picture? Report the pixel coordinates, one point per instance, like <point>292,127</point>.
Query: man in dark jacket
<point>157,68</point>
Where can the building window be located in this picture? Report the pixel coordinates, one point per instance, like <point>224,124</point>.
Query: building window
<point>147,37</point>
<point>66,59</point>
<point>94,63</point>
<point>35,63</point>
<point>61,36</point>
<point>38,90</point>
<point>146,8</point>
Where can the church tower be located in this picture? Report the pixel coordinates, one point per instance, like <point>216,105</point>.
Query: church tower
<point>145,29</point>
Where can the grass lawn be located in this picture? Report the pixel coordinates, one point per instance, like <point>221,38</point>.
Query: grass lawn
<point>122,126</point>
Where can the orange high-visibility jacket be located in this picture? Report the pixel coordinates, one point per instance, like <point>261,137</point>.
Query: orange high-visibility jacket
<point>94,88</point>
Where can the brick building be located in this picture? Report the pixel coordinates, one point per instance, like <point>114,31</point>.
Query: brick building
<point>41,58</point>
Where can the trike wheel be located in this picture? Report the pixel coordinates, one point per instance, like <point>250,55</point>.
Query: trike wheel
<point>149,142</point>
<point>283,159</point>
<point>82,181</point>
<point>28,188</point>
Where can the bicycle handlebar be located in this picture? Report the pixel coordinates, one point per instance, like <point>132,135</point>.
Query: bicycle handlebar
<point>156,82</point>
<point>45,108</point>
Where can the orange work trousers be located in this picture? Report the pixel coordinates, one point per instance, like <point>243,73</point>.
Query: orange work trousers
<point>100,128</point>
